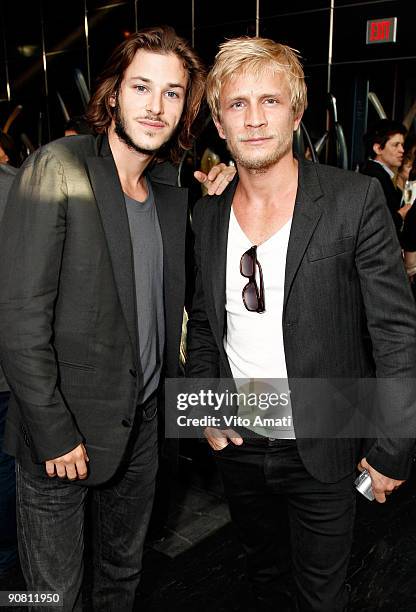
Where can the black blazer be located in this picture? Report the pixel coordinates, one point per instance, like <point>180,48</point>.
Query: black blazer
<point>348,310</point>
<point>68,322</point>
<point>392,194</point>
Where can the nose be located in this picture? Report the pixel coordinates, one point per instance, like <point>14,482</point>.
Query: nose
<point>155,106</point>
<point>255,116</point>
<point>401,148</point>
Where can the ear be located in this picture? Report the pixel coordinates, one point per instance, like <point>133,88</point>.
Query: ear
<point>220,131</point>
<point>377,148</point>
<point>113,99</point>
<point>296,121</point>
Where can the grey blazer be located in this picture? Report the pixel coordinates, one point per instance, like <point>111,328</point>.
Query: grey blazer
<point>348,309</point>
<point>68,337</point>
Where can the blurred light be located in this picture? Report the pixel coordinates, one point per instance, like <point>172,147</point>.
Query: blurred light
<point>27,50</point>
<point>126,33</point>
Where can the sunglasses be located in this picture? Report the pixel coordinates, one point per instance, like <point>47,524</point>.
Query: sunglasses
<point>253,298</point>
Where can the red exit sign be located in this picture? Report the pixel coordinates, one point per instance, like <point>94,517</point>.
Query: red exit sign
<point>381,30</point>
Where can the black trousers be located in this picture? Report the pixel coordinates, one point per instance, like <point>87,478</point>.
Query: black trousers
<point>289,522</point>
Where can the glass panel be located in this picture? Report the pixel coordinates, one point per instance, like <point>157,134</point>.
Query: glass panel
<point>109,24</point>
<point>271,8</point>
<point>64,24</point>
<point>177,15</point>
<point>216,12</point>
<point>61,80</point>
<point>207,39</point>
<point>309,33</point>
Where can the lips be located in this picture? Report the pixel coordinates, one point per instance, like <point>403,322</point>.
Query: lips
<point>152,124</point>
<point>256,139</point>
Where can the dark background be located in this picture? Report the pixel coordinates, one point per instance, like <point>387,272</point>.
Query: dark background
<point>42,42</point>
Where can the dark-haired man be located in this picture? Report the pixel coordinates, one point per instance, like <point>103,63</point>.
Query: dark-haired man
<point>92,270</point>
<point>384,144</point>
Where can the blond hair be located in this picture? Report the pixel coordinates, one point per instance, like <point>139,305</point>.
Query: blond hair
<point>245,54</point>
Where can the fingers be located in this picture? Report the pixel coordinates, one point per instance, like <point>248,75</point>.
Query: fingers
<point>233,436</point>
<point>218,439</point>
<point>216,171</point>
<point>50,468</point>
<point>60,470</point>
<point>201,177</point>
<point>379,497</point>
<point>72,465</point>
<point>217,179</point>
<point>86,458</point>
<point>81,469</point>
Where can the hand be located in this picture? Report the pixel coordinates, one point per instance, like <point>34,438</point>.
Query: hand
<point>217,178</point>
<point>404,210</point>
<point>73,465</point>
<point>220,438</point>
<point>381,485</point>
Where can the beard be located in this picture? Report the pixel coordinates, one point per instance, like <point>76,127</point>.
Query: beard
<point>258,160</point>
<point>121,131</point>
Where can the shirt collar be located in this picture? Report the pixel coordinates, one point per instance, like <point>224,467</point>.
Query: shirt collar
<point>386,168</point>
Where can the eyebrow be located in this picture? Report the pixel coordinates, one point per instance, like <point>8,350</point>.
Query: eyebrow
<point>146,80</point>
<point>245,96</point>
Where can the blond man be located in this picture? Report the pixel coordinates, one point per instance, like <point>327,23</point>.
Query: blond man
<point>298,276</point>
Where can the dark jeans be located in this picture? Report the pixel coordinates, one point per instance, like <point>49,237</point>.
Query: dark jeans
<point>289,522</point>
<point>8,540</point>
<point>51,518</point>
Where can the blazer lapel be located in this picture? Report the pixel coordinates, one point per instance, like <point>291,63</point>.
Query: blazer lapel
<point>214,249</point>
<point>171,206</point>
<point>109,196</point>
<point>305,218</point>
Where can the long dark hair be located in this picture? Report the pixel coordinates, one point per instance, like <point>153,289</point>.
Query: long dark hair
<point>163,40</point>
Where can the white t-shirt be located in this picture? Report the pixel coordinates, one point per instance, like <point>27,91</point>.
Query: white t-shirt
<point>254,341</point>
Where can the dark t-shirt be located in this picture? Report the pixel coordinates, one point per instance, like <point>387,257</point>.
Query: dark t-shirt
<point>147,247</point>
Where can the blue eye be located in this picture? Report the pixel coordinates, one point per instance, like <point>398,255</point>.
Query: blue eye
<point>140,88</point>
<point>172,94</point>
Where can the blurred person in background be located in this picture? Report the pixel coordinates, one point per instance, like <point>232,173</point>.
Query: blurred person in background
<point>9,153</point>
<point>409,232</point>
<point>384,145</point>
<point>77,125</point>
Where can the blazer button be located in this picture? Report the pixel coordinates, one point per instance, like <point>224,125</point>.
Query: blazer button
<point>133,372</point>
<point>126,423</point>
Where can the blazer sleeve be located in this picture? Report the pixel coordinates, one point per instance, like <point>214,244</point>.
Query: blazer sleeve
<point>391,320</point>
<point>202,351</point>
<point>32,241</point>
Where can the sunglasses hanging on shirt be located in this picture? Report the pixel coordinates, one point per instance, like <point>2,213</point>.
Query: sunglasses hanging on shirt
<point>253,296</point>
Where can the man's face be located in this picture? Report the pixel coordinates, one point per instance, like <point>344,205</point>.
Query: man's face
<point>256,118</point>
<point>392,153</point>
<point>150,101</point>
